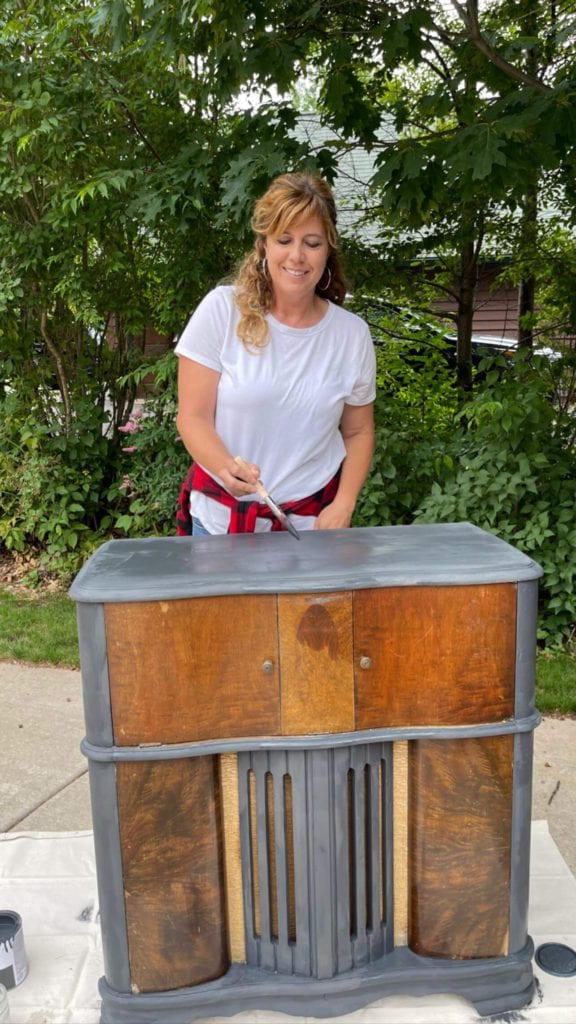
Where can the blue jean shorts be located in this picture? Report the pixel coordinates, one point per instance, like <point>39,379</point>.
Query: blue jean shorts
<point>198,528</point>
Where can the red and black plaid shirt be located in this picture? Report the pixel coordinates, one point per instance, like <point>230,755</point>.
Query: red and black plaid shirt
<point>243,514</point>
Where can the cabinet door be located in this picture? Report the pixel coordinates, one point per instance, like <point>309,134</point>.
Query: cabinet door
<point>189,670</point>
<point>434,655</point>
<point>317,678</point>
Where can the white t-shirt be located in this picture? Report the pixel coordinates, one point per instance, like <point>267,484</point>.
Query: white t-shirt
<point>280,406</point>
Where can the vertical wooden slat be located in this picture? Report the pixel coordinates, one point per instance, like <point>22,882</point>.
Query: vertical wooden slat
<point>171,841</point>
<point>302,950</point>
<point>376,854</point>
<point>320,815</point>
<point>290,851</point>
<point>232,857</point>
<point>267,958</point>
<point>282,847</point>
<point>400,840</point>
<point>249,857</point>
<point>358,760</point>
<point>341,828</point>
<point>460,825</point>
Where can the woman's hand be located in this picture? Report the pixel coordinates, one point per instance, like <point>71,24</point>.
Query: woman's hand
<point>335,516</point>
<point>239,477</point>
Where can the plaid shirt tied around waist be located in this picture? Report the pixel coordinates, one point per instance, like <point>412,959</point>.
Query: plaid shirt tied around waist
<point>243,514</point>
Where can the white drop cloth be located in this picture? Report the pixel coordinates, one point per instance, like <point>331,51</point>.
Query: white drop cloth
<point>50,879</point>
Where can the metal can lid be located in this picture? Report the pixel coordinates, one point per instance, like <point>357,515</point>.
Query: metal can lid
<point>555,958</point>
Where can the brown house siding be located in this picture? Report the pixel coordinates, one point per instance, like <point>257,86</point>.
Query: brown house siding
<point>495,309</point>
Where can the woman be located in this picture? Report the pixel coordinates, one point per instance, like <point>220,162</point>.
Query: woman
<point>273,370</point>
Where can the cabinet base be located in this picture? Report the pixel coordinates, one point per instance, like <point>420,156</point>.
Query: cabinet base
<point>493,985</point>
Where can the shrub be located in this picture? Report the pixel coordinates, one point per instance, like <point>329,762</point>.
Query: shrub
<point>154,459</point>
<point>414,420</point>
<point>512,471</point>
<point>52,486</point>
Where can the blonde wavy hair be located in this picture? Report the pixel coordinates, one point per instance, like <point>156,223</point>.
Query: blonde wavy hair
<point>289,197</point>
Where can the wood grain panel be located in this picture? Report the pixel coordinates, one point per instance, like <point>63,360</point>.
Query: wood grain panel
<point>439,655</point>
<point>317,689</point>
<point>192,670</point>
<point>460,798</point>
<point>171,841</point>
<point>228,771</point>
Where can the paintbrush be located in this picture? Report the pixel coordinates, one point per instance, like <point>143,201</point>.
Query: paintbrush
<point>277,511</point>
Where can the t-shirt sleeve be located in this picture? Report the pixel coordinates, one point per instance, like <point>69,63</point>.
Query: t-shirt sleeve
<point>203,336</point>
<point>364,390</point>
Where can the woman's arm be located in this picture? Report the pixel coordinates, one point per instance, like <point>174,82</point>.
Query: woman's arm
<point>357,427</point>
<point>197,396</point>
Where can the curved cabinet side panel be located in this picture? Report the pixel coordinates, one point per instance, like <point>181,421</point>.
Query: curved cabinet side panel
<point>171,839</point>
<point>460,797</point>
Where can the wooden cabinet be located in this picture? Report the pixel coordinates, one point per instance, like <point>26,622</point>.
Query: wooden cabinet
<point>310,760</point>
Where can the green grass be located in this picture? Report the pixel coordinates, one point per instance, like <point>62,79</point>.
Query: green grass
<point>41,630</point>
<point>556,683</point>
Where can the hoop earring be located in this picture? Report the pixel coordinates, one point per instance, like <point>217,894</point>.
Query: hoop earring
<point>264,265</point>
<point>325,287</point>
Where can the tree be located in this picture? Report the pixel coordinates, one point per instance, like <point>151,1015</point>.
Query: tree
<point>482,104</point>
<point>111,170</point>
<point>96,222</point>
<point>136,134</point>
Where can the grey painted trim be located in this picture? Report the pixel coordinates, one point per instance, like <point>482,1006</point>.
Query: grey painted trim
<point>167,751</point>
<point>267,958</point>
<point>94,665</point>
<point>302,869</point>
<point>169,568</point>
<point>284,948</point>
<point>110,875</point>
<point>520,840</point>
<point>246,831</point>
<point>343,951</point>
<point>526,624</point>
<point>494,986</point>
<point>321,894</point>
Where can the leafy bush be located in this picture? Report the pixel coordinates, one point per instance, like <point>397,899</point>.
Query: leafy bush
<point>53,486</point>
<point>154,459</point>
<point>62,495</point>
<point>414,419</point>
<point>512,471</point>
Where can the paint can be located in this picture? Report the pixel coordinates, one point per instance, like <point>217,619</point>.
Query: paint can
<point>13,965</point>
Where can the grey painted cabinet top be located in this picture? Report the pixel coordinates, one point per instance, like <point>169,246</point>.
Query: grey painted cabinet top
<point>168,568</point>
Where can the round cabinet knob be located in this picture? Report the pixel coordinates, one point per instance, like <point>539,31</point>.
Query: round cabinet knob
<point>267,667</point>
<point>365,662</point>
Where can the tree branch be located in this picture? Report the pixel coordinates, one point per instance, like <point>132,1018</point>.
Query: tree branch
<point>128,113</point>
<point>469,17</point>
<point>61,373</point>
<point>24,195</point>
